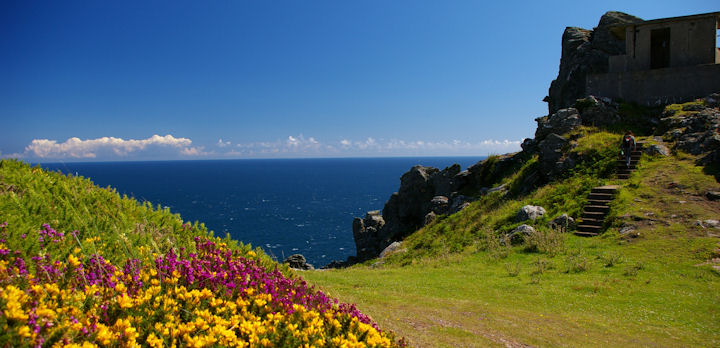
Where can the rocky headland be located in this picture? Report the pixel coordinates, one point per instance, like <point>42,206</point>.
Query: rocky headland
<point>426,193</point>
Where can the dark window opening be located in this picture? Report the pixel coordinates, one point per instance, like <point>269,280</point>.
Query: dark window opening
<point>660,48</point>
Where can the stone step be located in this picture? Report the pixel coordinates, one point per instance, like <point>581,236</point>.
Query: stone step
<point>592,222</point>
<point>598,203</point>
<point>611,189</point>
<point>601,208</point>
<point>585,233</point>
<point>600,197</point>
<point>593,215</point>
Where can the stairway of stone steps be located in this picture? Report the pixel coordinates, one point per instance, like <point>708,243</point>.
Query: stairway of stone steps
<point>596,209</point>
<point>598,205</point>
<point>624,171</point>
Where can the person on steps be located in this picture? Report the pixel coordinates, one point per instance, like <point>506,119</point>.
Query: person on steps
<point>627,147</point>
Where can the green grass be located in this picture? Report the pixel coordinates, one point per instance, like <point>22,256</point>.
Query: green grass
<point>666,301</point>
<point>459,285</point>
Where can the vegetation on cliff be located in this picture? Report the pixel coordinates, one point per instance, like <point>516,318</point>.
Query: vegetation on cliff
<point>653,277</point>
<point>80,265</point>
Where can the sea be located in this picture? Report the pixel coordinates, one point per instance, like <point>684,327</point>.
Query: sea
<point>285,206</point>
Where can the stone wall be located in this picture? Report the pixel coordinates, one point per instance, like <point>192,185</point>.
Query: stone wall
<point>659,86</point>
<point>692,42</point>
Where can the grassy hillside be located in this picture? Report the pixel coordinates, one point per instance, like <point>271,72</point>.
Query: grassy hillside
<point>81,266</point>
<point>105,222</point>
<point>458,284</point>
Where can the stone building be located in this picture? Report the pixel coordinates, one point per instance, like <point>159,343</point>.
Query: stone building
<point>666,60</point>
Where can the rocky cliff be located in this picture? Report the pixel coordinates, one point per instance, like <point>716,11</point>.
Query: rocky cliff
<point>584,52</point>
<point>427,192</point>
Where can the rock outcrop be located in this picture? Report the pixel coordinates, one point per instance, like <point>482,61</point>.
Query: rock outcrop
<point>426,193</point>
<point>530,212</point>
<point>518,234</point>
<point>563,221</point>
<point>694,129</point>
<point>585,52</point>
<point>297,261</point>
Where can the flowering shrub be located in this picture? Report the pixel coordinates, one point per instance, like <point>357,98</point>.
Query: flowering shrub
<point>213,296</point>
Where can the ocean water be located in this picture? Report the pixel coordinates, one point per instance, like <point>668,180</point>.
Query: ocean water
<point>285,206</point>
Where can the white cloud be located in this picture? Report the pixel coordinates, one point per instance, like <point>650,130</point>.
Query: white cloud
<point>298,146</point>
<point>194,151</point>
<point>106,146</point>
<point>168,147</point>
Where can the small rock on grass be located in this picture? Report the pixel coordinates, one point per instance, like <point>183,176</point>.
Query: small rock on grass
<point>713,195</point>
<point>530,212</point>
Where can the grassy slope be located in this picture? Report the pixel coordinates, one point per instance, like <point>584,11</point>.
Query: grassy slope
<point>115,226</point>
<point>456,286</point>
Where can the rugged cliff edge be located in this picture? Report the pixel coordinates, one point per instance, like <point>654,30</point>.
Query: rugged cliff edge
<point>584,52</point>
<point>426,192</point>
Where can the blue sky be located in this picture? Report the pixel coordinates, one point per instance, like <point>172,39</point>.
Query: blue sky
<point>136,80</point>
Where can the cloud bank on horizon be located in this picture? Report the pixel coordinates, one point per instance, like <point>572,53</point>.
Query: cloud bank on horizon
<point>171,147</point>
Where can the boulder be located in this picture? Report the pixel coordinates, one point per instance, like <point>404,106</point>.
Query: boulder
<point>657,149</point>
<point>711,223</point>
<point>439,205</point>
<point>500,188</point>
<point>713,100</point>
<point>530,212</point>
<point>297,261</point>
<point>395,246</point>
<point>713,195</point>
<point>335,264</point>
<point>519,233</point>
<point>459,202</point>
<point>563,221</point>
<point>458,207</point>
<point>429,218</point>
<point>561,122</point>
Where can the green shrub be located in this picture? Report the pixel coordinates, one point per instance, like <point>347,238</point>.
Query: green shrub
<point>548,241</point>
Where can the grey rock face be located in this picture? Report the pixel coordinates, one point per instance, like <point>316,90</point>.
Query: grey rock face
<point>713,100</point>
<point>369,235</point>
<point>439,204</point>
<point>297,261</point>
<point>657,149</point>
<point>695,131</point>
<point>584,52</point>
<point>561,122</point>
<point>550,153</point>
<point>598,112</point>
<point>422,190</point>
<point>530,212</point>
<point>563,221</point>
